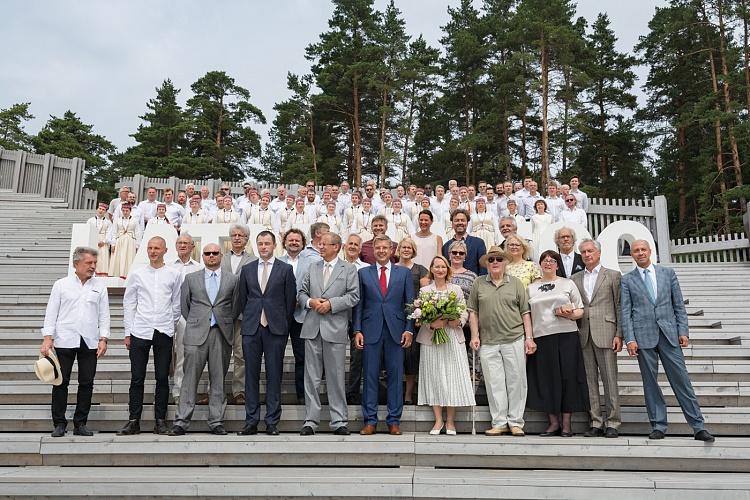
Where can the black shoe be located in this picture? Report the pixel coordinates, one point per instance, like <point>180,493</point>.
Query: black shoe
<point>705,436</point>
<point>556,432</point>
<point>177,431</point>
<point>219,430</point>
<point>567,434</point>
<point>611,432</point>
<point>307,431</point>
<point>656,434</point>
<point>249,430</point>
<point>160,426</point>
<point>594,432</point>
<point>81,430</point>
<point>342,431</point>
<point>59,431</point>
<point>272,430</point>
<point>131,428</point>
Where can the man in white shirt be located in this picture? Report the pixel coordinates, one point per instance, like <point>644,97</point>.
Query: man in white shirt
<point>76,325</point>
<point>571,213</point>
<point>148,206</point>
<point>440,203</point>
<point>526,204</point>
<point>313,210</point>
<point>582,199</point>
<point>279,202</point>
<point>345,196</point>
<point>185,264</point>
<point>502,201</point>
<point>151,309</point>
<point>175,212</point>
<point>377,203</point>
<point>114,204</point>
<point>555,204</point>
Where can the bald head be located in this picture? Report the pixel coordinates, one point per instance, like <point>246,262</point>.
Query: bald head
<point>212,256</point>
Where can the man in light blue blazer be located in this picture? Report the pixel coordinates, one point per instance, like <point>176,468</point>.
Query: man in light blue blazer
<point>381,329</point>
<point>655,327</point>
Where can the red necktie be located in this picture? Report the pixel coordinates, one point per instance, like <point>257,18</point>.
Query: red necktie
<point>383,283</point>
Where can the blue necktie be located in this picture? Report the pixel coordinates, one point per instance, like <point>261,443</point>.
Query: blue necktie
<point>649,285</point>
<point>213,290</point>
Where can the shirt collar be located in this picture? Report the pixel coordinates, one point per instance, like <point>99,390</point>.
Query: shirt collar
<point>331,263</point>
<point>387,265</point>
<point>189,262</point>
<point>270,261</point>
<point>593,271</point>
<point>209,272</point>
<point>650,267</point>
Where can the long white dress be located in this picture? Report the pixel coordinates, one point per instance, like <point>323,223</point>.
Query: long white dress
<point>361,225</point>
<point>426,249</point>
<point>333,221</point>
<point>102,232</point>
<point>539,223</point>
<point>483,225</point>
<point>444,378</point>
<point>226,216</point>
<point>399,225</point>
<point>125,235</point>
<point>198,218</point>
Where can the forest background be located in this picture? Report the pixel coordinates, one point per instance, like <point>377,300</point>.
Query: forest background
<point>514,88</point>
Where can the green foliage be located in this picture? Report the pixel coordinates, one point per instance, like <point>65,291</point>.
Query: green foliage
<point>12,134</point>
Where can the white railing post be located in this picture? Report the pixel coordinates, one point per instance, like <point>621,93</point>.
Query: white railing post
<point>662,229</point>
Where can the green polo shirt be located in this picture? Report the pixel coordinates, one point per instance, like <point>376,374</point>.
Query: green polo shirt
<point>500,308</point>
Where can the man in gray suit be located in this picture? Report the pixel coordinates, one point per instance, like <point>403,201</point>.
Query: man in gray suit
<point>328,292</point>
<point>600,335</point>
<point>655,327</point>
<point>209,304</point>
<point>233,262</point>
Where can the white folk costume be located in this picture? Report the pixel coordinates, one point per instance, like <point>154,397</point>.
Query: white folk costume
<point>125,235</point>
<point>283,216</point>
<point>196,218</point>
<point>400,225</point>
<point>226,216</point>
<point>160,220</point>
<point>103,226</point>
<point>539,223</point>
<point>362,225</point>
<point>333,221</point>
<point>262,216</point>
<point>483,225</point>
<point>297,220</point>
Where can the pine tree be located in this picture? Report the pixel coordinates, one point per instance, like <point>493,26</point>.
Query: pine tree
<point>12,134</point>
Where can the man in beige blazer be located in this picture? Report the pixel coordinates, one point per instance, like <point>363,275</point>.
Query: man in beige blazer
<point>601,336</point>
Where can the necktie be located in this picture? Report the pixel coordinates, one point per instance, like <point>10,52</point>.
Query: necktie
<point>213,290</point>
<point>326,274</point>
<point>649,285</point>
<point>263,283</point>
<point>383,281</point>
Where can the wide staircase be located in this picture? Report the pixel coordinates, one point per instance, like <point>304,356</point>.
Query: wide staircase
<point>34,247</point>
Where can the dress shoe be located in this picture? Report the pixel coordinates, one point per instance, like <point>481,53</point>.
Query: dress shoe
<point>342,431</point>
<point>131,428</point>
<point>611,432</point>
<point>656,434</point>
<point>517,431</point>
<point>249,430</point>
<point>202,399</point>
<point>450,432</point>
<point>238,399</point>
<point>81,430</point>
<point>556,432</point>
<point>594,432</point>
<point>394,430</point>
<point>218,430</point>
<point>272,430</point>
<point>567,434</point>
<point>177,431</point>
<point>705,436</point>
<point>436,432</point>
<point>160,426</point>
<point>307,431</point>
<point>59,431</point>
<point>497,431</point>
<point>368,430</point>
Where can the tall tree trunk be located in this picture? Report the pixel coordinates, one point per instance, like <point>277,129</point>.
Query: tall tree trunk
<point>383,122</point>
<point>604,157</point>
<point>566,119</point>
<point>544,67</point>
<point>728,100</point>
<point>409,119</point>
<point>524,158</point>
<point>356,135</point>
<point>505,142</point>
<point>467,161</point>
<point>746,54</point>
<point>312,147</point>
<point>681,181</point>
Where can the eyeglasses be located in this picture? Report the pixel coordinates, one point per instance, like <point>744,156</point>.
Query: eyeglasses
<point>209,254</point>
<point>514,245</point>
<point>571,199</point>
<point>492,260</point>
<point>549,261</point>
<point>459,253</point>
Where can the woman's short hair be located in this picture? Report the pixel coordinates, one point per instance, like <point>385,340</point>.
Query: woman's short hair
<point>554,255</point>
<point>431,276</point>
<point>457,244</point>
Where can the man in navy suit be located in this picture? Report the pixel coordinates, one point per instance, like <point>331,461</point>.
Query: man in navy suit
<point>655,327</point>
<point>382,330</point>
<point>268,294</point>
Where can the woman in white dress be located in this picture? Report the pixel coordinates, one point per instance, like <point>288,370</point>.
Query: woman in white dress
<point>125,237</point>
<point>160,217</point>
<point>284,213</point>
<point>539,223</point>
<point>483,224</point>
<point>226,214</point>
<point>102,225</point>
<point>298,217</point>
<point>428,243</point>
<point>195,214</point>
<point>387,207</point>
<point>444,380</point>
<point>362,224</point>
<point>398,222</point>
<point>330,217</point>
<point>452,205</point>
<point>261,215</point>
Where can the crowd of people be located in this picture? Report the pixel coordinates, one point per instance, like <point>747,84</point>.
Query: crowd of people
<point>338,278</point>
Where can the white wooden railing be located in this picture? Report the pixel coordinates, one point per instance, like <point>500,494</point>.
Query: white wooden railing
<point>714,248</point>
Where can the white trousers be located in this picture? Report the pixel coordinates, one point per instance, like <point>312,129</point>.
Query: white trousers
<point>504,369</point>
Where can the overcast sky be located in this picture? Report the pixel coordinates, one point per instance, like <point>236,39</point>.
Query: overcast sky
<point>103,59</point>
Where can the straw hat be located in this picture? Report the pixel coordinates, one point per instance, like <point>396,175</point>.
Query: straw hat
<point>494,251</point>
<point>47,369</point>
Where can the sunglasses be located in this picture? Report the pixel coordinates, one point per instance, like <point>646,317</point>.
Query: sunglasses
<point>492,260</point>
<point>209,254</point>
<point>454,252</point>
<point>571,199</point>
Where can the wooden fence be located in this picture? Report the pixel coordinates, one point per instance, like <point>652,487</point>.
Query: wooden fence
<point>48,176</point>
<point>715,248</point>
